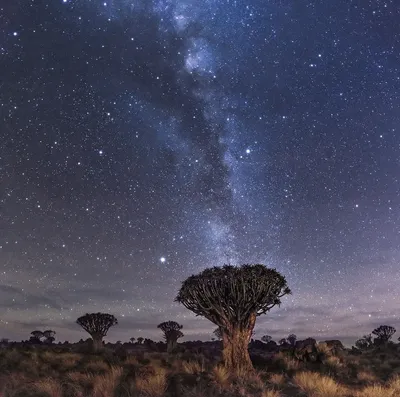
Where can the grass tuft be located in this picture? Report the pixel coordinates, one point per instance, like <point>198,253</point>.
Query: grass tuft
<point>317,385</point>
<point>153,385</point>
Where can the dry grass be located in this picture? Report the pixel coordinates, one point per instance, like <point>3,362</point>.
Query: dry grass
<point>317,385</point>
<point>97,366</point>
<point>271,393</point>
<point>70,360</point>
<point>49,386</point>
<point>290,364</point>
<point>81,379</point>
<point>105,385</point>
<point>366,376</point>
<point>52,373</point>
<point>394,383</point>
<point>277,380</point>
<point>153,385</point>
<point>193,367</point>
<point>12,384</point>
<point>131,360</point>
<point>220,376</point>
<point>376,391</point>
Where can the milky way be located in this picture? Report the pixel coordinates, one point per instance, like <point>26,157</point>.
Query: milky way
<point>145,141</point>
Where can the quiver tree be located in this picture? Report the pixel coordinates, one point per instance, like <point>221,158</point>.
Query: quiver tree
<point>232,297</point>
<point>132,340</point>
<point>140,340</point>
<point>383,333</point>
<point>172,332</point>
<point>97,326</point>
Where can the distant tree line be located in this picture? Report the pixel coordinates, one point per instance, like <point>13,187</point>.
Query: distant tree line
<point>230,297</point>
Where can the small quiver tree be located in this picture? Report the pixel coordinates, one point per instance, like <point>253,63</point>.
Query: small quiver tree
<point>232,297</point>
<point>97,326</point>
<point>383,334</point>
<point>172,332</point>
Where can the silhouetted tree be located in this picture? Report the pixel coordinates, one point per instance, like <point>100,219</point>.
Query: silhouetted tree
<point>365,342</point>
<point>266,338</point>
<point>232,297</point>
<point>132,340</point>
<point>36,336</point>
<point>49,335</point>
<point>291,339</point>
<point>140,340</point>
<point>172,332</point>
<point>97,326</point>
<point>283,341</point>
<point>384,333</point>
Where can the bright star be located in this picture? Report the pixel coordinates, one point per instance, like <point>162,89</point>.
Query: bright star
<point>162,259</point>
<point>248,151</point>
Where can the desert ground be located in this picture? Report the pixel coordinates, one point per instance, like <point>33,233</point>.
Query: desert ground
<point>195,370</point>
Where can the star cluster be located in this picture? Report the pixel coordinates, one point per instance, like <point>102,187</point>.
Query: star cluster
<point>143,141</point>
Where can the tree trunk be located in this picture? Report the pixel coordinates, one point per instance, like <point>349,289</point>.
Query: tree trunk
<point>97,343</point>
<point>236,350</point>
<point>171,346</point>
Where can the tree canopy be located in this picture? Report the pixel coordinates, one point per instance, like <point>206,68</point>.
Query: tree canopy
<point>171,330</point>
<point>230,294</point>
<point>97,323</point>
<point>384,333</point>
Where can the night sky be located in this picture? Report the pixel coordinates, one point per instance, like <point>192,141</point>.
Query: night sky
<point>143,141</point>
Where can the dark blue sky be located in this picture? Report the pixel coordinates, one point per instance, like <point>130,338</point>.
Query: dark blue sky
<point>146,140</point>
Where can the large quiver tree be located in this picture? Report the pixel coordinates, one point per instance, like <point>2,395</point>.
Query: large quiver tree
<point>172,332</point>
<point>232,297</point>
<point>97,326</point>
